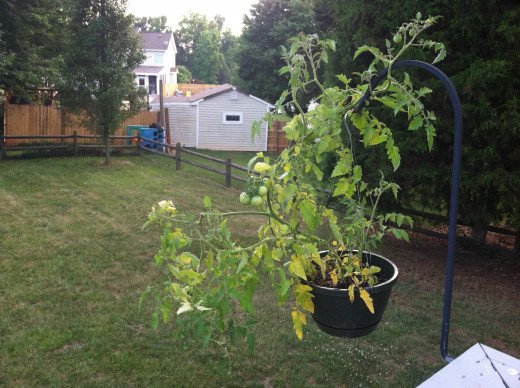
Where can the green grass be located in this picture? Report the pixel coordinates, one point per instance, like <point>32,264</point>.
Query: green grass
<point>73,264</point>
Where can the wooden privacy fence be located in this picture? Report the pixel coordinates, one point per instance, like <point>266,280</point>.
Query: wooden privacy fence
<point>38,120</point>
<point>169,89</point>
<point>276,141</point>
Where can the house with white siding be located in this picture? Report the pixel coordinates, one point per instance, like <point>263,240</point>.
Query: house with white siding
<point>159,64</point>
<point>217,119</point>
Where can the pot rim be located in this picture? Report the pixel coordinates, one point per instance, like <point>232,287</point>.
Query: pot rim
<point>385,284</point>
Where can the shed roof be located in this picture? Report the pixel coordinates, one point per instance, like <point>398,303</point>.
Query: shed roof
<point>213,92</point>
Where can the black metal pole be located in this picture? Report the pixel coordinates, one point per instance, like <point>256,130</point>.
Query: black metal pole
<point>455,185</point>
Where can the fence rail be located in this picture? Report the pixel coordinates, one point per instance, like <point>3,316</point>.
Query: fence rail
<point>4,140</point>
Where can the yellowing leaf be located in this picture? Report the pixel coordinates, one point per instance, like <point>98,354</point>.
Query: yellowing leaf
<point>262,167</point>
<point>185,258</point>
<point>334,277</point>
<point>303,296</point>
<point>299,320</point>
<point>351,293</point>
<point>296,267</point>
<point>368,300</point>
<point>186,306</point>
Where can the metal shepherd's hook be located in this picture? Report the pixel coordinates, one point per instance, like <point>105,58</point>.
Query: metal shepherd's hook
<point>455,184</point>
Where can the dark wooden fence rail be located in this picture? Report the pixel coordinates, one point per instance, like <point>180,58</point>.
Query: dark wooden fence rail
<point>74,137</point>
<point>176,152</point>
<point>227,163</point>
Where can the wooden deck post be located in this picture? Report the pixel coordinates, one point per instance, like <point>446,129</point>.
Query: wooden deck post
<point>178,156</point>
<point>138,143</point>
<point>167,130</point>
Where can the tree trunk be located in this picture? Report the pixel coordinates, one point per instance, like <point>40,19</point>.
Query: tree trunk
<point>107,150</point>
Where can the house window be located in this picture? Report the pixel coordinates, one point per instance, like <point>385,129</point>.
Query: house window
<point>158,59</point>
<point>142,81</point>
<point>232,118</point>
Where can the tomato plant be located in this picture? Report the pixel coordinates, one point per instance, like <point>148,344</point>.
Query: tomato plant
<point>210,290</point>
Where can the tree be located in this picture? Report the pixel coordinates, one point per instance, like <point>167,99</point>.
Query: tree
<point>184,76</point>
<point>152,24</point>
<point>31,37</point>
<point>97,75</point>
<point>187,35</point>
<point>483,43</point>
<point>204,49</point>
<point>207,60</point>
<point>269,26</point>
<point>229,44</point>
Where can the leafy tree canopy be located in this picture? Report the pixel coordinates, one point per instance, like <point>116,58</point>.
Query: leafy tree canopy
<point>269,26</point>
<point>184,76</point>
<point>205,49</point>
<point>483,44</point>
<point>31,37</point>
<point>153,24</point>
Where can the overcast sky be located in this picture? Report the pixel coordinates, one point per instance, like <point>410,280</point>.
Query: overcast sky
<point>175,10</point>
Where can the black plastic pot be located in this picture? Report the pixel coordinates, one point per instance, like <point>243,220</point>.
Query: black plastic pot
<point>336,315</point>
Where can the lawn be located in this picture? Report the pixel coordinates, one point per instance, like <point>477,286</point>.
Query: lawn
<point>73,264</point>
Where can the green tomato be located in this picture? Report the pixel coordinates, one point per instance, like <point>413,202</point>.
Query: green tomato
<point>244,198</point>
<point>257,200</point>
<point>412,32</point>
<point>262,190</point>
<point>267,183</point>
<point>398,38</point>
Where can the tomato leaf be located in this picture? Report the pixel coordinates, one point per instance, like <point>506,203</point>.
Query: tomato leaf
<point>309,215</point>
<point>297,268</point>
<point>303,296</point>
<point>299,320</point>
<point>367,299</point>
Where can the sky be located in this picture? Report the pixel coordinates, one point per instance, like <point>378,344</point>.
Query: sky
<point>175,10</point>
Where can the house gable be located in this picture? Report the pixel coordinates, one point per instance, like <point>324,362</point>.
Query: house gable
<point>160,63</point>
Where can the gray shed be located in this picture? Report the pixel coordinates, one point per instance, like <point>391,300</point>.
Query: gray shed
<point>218,119</point>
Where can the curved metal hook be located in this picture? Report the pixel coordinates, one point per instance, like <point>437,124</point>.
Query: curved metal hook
<point>455,183</point>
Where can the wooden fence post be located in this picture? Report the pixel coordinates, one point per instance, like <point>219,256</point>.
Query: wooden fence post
<point>276,126</point>
<point>228,172</point>
<point>138,143</point>
<point>2,151</point>
<point>178,156</point>
<point>516,249</point>
<point>75,142</point>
